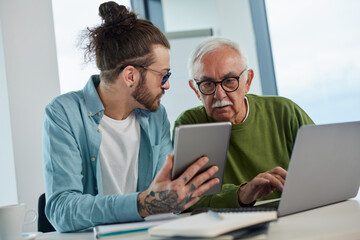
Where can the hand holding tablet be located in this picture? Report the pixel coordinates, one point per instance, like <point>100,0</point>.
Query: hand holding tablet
<point>187,175</point>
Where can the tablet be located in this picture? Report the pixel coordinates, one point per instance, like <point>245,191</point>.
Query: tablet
<point>195,140</point>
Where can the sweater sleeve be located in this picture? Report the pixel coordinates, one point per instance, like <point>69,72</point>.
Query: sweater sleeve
<point>227,198</point>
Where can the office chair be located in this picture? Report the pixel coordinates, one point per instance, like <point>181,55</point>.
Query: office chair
<point>43,223</point>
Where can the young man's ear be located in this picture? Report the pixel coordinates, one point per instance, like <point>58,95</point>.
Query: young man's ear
<point>130,75</point>
<point>193,86</point>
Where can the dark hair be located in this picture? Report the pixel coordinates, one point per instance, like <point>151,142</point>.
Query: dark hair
<point>122,39</point>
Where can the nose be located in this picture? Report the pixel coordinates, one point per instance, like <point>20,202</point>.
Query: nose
<point>166,86</point>
<point>219,92</point>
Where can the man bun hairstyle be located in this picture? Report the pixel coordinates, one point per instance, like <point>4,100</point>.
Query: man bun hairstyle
<point>121,39</point>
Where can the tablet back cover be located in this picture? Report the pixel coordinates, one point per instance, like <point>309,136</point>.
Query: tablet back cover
<point>195,140</point>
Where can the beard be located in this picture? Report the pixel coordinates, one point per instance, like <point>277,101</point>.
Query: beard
<point>143,96</point>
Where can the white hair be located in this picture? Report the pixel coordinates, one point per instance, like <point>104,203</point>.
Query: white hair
<point>209,45</point>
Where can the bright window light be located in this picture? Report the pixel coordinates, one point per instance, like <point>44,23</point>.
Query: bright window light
<point>316,51</point>
<point>70,19</point>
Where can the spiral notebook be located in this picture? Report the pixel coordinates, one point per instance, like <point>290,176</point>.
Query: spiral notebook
<point>214,223</point>
<point>114,231</point>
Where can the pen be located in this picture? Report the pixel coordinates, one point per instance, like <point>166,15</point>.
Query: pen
<point>215,215</point>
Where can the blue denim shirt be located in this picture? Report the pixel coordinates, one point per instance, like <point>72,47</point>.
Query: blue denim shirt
<point>71,142</point>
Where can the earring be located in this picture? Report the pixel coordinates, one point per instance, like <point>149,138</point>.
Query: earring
<point>131,86</point>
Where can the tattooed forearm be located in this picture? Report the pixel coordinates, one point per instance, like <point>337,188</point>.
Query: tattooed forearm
<point>162,202</point>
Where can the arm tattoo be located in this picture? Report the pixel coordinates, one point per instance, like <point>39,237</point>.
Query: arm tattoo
<point>163,202</point>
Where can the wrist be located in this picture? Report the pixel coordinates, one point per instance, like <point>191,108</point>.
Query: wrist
<point>241,193</point>
<point>141,205</point>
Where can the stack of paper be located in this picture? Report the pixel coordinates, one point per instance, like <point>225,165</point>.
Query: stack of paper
<point>212,225</point>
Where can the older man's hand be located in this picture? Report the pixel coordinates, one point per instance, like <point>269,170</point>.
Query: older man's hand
<point>262,185</point>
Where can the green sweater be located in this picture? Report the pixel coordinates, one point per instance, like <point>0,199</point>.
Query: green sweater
<point>265,140</point>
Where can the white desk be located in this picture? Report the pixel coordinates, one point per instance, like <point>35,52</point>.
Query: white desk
<point>336,221</point>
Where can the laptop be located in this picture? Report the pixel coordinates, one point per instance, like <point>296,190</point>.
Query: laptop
<point>324,168</point>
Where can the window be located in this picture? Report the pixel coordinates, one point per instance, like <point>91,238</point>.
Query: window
<point>70,19</point>
<point>316,51</point>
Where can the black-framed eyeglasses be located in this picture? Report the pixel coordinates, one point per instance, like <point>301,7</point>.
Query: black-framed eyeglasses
<point>229,84</point>
<point>165,76</point>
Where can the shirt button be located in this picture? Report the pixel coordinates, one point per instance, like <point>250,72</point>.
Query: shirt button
<point>90,113</point>
<point>92,159</point>
<point>99,131</point>
<point>99,113</point>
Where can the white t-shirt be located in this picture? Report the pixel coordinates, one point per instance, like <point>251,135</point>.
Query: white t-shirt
<point>248,109</point>
<point>119,151</point>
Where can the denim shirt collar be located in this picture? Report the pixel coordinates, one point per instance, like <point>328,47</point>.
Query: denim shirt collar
<point>93,101</point>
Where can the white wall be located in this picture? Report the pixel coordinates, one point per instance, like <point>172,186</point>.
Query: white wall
<point>184,15</point>
<point>236,24</point>
<point>227,18</point>
<point>31,75</point>
<point>7,166</point>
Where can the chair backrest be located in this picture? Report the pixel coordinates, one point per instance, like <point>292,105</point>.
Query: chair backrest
<point>43,223</point>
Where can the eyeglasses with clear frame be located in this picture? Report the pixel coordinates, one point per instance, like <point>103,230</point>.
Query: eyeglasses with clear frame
<point>229,84</point>
<point>165,76</point>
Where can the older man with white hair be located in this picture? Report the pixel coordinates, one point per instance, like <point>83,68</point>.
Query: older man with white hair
<point>264,127</point>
